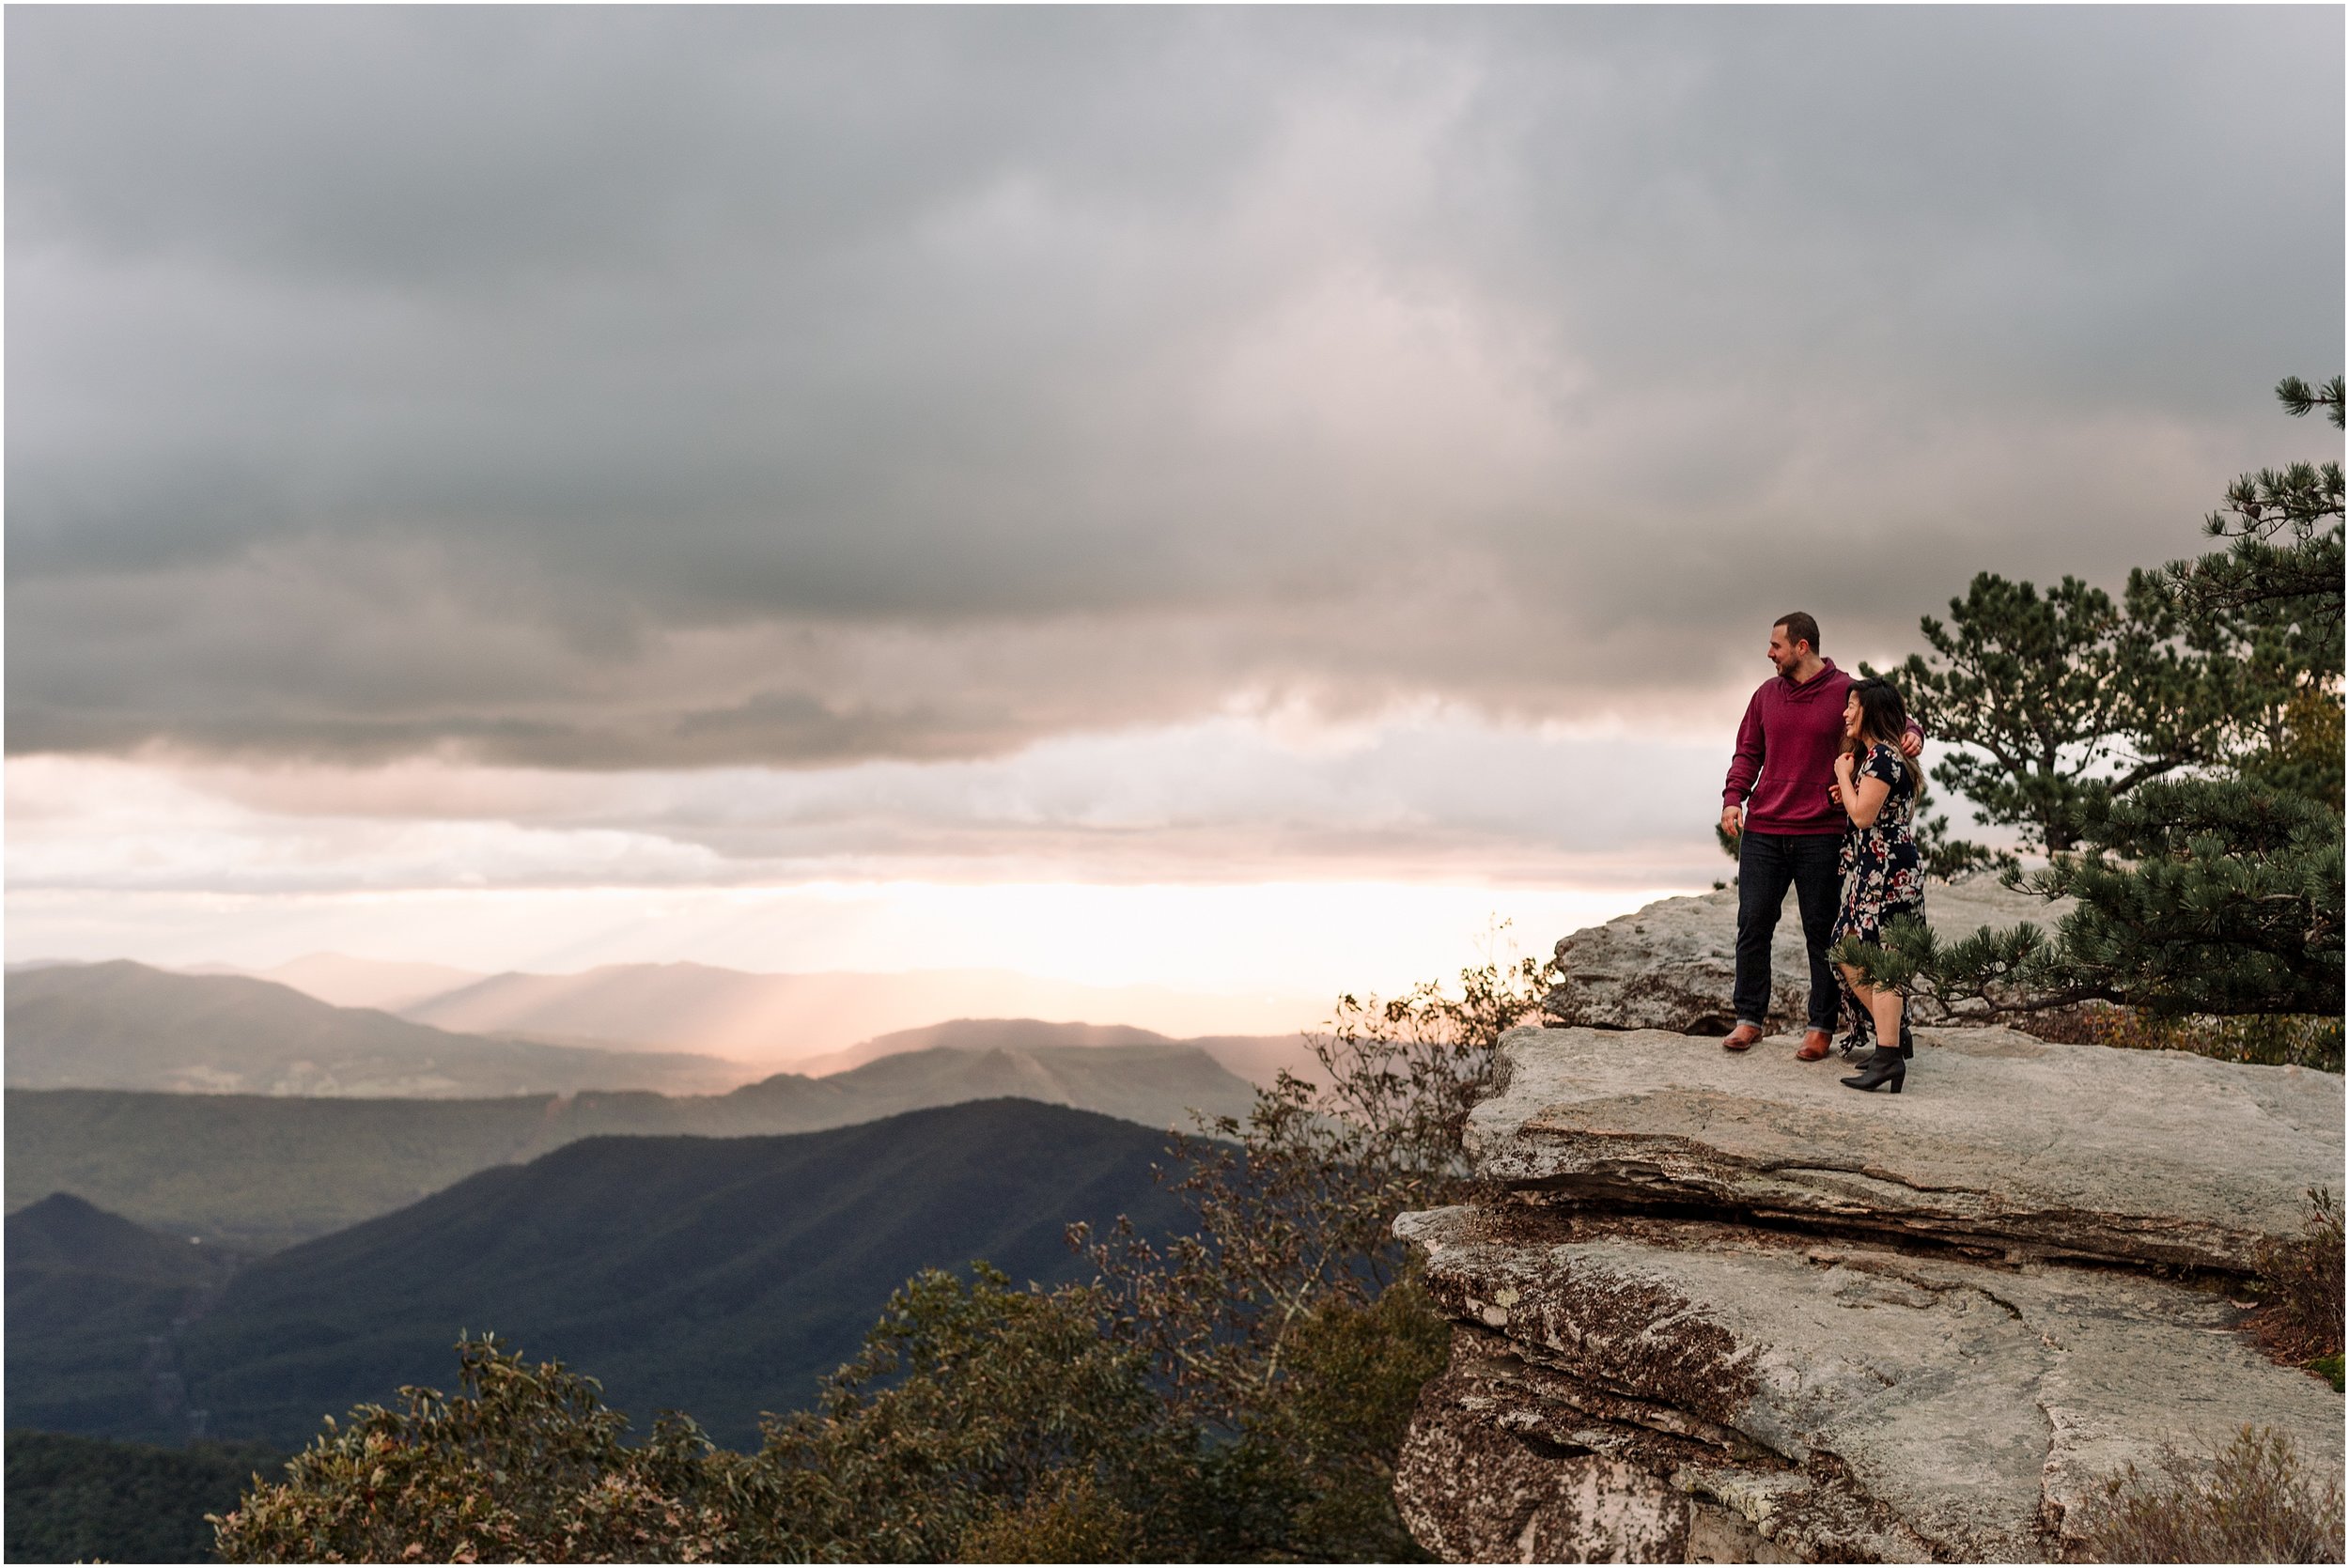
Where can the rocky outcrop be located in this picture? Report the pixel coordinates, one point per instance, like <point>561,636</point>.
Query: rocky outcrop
<point>2020,1146</point>
<point>1719,1308</point>
<point>1673,964</point>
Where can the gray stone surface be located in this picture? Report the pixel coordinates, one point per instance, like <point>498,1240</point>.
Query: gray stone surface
<point>1671,965</point>
<point>1719,1307</point>
<point>1690,1390</point>
<point>1999,1140</point>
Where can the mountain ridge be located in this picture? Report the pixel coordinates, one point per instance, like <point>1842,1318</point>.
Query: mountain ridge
<point>119,1024</point>
<point>97,1306</point>
<point>784,1019</point>
<point>185,1162</point>
<point>718,1276</point>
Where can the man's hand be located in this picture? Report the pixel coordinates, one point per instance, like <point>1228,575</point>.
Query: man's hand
<point>1733,821</point>
<point>1911,743</point>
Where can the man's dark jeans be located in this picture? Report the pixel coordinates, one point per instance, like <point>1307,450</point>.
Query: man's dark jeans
<point>1767,863</point>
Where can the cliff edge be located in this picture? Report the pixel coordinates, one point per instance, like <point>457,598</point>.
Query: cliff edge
<point>1718,1309</point>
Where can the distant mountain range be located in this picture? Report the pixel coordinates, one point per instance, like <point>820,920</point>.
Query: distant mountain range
<point>262,1172</point>
<point>778,1020</point>
<point>122,1025</point>
<point>978,1034</point>
<point>786,1020</point>
<point>718,1276</point>
<point>1254,1057</point>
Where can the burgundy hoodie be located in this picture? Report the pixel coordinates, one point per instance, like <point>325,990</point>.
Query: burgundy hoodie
<point>1788,741</point>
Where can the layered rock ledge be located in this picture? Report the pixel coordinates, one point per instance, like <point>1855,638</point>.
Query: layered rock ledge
<point>1721,1309</point>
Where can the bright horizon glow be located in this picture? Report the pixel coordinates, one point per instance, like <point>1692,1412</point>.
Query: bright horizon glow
<point>1306,940</point>
<point>1254,858</point>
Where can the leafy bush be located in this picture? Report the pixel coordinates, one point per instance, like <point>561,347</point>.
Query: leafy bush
<point>1069,1521</point>
<point>525,1465</point>
<point>1287,1329</point>
<point>1354,1378</point>
<point>977,1417</point>
<point>2250,1504</point>
<point>1294,1205</point>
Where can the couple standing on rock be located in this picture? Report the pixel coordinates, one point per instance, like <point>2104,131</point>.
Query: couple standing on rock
<point>1822,794</point>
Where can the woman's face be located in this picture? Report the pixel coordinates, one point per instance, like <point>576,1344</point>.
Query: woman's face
<point>1851,717</point>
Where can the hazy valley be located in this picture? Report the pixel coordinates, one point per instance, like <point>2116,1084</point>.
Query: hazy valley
<point>240,1202</point>
<point>188,1262</point>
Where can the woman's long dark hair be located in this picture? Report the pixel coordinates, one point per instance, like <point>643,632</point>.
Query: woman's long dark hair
<point>1883,717</point>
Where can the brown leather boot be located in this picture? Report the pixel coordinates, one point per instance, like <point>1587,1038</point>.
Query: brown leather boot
<point>1815,1047</point>
<point>1741,1038</point>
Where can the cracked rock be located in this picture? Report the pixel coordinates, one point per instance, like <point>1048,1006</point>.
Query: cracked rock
<point>1666,1385</point>
<point>1721,1309</point>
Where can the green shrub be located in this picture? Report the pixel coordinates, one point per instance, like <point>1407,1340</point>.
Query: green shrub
<point>977,1413</point>
<point>1069,1520</point>
<point>525,1465</point>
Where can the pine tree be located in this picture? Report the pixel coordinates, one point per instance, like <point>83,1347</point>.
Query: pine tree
<point>2063,700</point>
<point>2207,870</point>
<point>2269,607</point>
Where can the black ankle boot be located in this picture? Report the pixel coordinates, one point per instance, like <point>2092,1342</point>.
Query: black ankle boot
<point>1908,1041</point>
<point>1885,1066</point>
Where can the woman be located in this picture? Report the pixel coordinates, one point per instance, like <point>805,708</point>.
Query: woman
<point>1884,877</point>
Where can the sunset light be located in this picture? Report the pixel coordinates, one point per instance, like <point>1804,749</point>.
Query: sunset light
<point>1173,783</point>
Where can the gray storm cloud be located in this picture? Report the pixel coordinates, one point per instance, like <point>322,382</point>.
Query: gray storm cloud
<point>612,388</point>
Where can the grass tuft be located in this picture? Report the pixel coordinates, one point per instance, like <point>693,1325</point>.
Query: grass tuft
<point>2300,1285</point>
<point>2250,1503</point>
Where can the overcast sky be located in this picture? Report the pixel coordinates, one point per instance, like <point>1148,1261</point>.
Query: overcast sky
<point>542,447</point>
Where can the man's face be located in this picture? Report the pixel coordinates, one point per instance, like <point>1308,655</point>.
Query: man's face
<point>1783,653</point>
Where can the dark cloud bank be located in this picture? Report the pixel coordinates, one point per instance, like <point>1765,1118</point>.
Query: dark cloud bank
<point>614,387</point>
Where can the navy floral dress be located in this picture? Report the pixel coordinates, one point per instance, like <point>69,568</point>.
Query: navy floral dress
<point>1884,877</point>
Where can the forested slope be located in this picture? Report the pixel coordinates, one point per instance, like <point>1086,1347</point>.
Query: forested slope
<point>718,1276</point>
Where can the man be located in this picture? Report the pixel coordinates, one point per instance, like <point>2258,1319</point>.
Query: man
<point>1787,826</point>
